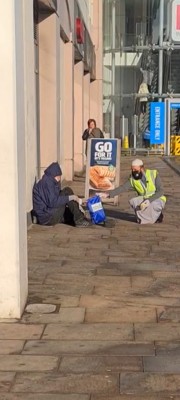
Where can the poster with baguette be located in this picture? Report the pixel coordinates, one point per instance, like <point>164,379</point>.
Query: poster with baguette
<point>103,166</point>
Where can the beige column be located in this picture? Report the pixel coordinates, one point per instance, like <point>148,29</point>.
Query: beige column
<point>30,104</point>
<point>86,99</point>
<point>48,90</point>
<point>86,104</point>
<point>78,116</point>
<point>67,104</point>
<point>13,236</point>
<point>96,87</point>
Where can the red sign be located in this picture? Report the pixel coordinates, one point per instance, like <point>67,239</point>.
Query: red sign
<point>175,20</point>
<point>79,30</point>
<point>178,17</point>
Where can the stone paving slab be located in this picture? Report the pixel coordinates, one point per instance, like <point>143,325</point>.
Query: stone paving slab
<point>122,314</point>
<point>142,383</point>
<point>20,331</point>
<point>69,268</point>
<point>56,383</point>
<point>89,332</point>
<point>126,299</point>
<point>121,270</point>
<point>116,304</point>
<point>43,396</point>
<point>169,314</point>
<point>65,315</point>
<point>130,268</point>
<point>28,363</point>
<point>64,301</point>
<point>89,347</point>
<point>139,397</point>
<point>166,364</point>
<point>165,331</point>
<point>89,282</point>
<point>6,379</point>
<point>60,289</point>
<point>142,282</point>
<point>130,258</point>
<point>168,348</point>
<point>100,365</point>
<point>11,346</point>
<point>53,297</point>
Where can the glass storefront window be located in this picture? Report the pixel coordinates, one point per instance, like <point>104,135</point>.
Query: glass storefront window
<point>141,64</point>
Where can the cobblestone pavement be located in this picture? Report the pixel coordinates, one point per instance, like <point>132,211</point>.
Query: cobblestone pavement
<point>115,331</point>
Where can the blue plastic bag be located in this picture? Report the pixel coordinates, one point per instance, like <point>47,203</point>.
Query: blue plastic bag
<point>96,210</point>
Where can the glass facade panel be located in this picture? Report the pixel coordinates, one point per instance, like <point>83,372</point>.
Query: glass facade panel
<point>141,64</point>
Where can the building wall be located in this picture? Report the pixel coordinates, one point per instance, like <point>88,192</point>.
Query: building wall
<point>67,110</point>
<point>30,103</point>
<point>13,230</point>
<point>24,149</point>
<point>48,62</point>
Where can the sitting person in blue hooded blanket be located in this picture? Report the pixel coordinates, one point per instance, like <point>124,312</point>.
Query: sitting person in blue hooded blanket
<point>53,205</point>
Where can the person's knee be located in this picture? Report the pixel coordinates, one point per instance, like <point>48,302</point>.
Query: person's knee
<point>131,202</point>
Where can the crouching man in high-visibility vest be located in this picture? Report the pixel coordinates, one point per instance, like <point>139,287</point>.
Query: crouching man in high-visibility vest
<point>149,204</point>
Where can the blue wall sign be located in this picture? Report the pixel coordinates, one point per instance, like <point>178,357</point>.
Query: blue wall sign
<point>175,106</point>
<point>157,123</point>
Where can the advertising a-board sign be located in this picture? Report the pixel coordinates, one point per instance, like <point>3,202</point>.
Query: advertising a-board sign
<point>103,166</point>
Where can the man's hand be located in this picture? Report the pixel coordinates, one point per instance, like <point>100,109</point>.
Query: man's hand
<point>144,205</point>
<point>73,197</point>
<point>103,195</point>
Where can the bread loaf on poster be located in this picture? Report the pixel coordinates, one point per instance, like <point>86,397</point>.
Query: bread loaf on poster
<point>104,184</point>
<point>105,171</point>
<point>97,181</point>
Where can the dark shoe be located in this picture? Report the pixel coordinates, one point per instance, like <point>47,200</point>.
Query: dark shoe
<point>160,219</point>
<point>82,223</point>
<point>138,221</point>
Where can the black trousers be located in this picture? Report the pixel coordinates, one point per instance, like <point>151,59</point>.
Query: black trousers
<point>143,106</point>
<point>68,213</point>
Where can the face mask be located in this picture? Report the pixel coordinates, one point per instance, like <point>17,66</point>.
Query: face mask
<point>137,175</point>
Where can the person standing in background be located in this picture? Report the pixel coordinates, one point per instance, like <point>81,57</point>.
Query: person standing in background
<point>91,132</point>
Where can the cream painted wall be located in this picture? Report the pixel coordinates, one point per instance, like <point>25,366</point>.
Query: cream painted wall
<point>30,103</point>
<point>63,115</point>
<point>86,86</point>
<point>48,62</point>
<point>78,116</point>
<point>67,109</point>
<point>13,228</point>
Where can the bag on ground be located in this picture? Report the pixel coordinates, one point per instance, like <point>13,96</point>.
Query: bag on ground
<point>96,210</point>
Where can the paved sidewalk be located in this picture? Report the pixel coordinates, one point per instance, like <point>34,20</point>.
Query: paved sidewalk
<point>115,331</point>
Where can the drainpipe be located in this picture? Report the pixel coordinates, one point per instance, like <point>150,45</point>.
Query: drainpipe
<point>113,69</point>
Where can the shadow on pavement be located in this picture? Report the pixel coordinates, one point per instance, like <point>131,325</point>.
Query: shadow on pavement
<point>120,215</point>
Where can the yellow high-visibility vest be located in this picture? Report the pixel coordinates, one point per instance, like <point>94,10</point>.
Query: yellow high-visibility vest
<point>150,189</point>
